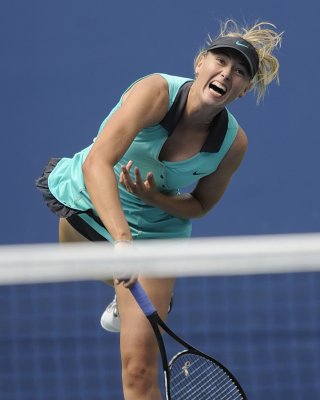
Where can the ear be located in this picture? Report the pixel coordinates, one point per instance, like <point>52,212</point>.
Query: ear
<point>199,64</point>
<point>246,89</point>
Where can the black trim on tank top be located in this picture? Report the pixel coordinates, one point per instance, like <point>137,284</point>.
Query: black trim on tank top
<point>217,129</point>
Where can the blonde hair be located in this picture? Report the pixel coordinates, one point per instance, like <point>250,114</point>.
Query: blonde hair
<point>265,39</point>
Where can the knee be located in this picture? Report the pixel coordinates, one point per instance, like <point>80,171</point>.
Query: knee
<point>139,373</point>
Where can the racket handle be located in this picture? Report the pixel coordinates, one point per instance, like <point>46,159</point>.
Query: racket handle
<point>142,299</point>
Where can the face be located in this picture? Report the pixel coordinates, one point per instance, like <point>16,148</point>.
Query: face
<point>222,77</point>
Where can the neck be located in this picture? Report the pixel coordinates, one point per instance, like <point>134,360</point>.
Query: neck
<point>196,114</point>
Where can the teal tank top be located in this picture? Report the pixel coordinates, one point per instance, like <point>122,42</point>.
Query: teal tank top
<point>66,181</point>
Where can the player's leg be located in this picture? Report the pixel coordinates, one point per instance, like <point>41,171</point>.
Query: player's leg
<point>68,234</point>
<point>110,318</point>
<point>139,349</point>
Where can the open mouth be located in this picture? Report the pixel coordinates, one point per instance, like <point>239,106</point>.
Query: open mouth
<point>218,88</point>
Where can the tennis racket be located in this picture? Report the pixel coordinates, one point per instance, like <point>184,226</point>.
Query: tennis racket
<point>190,374</point>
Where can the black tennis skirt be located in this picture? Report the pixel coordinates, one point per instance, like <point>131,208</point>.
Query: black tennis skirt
<point>62,211</point>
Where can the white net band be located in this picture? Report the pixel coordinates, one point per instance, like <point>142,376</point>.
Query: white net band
<point>193,257</point>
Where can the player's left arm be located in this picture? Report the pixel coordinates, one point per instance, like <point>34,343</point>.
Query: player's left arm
<point>211,188</point>
<point>206,194</point>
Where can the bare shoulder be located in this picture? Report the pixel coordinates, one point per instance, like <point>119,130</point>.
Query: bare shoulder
<point>236,153</point>
<point>154,84</point>
<point>147,101</point>
<point>240,143</point>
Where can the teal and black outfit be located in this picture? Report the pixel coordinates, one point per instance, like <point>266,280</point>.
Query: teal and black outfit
<point>64,190</point>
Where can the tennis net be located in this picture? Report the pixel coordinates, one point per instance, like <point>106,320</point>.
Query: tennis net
<point>253,303</point>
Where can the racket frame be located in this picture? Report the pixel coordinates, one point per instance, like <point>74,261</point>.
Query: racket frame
<point>155,321</point>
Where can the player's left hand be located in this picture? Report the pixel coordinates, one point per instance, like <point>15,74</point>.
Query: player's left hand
<point>144,189</point>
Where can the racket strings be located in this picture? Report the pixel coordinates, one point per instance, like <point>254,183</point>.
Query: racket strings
<point>199,390</point>
<point>195,377</point>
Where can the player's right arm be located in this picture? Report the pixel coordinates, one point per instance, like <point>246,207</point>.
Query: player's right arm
<point>144,105</point>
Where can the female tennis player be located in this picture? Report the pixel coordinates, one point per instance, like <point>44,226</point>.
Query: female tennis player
<point>165,133</point>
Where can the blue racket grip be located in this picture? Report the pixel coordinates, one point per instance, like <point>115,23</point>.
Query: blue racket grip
<point>142,299</point>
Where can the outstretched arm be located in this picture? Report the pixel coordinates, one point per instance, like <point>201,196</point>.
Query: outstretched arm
<point>145,105</point>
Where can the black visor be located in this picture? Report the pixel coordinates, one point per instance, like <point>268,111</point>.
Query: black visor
<point>240,45</point>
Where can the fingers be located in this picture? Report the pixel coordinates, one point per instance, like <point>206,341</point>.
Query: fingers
<point>130,282</point>
<point>129,165</point>
<point>125,178</point>
<point>138,186</point>
<point>139,181</point>
<point>127,282</point>
<point>150,180</point>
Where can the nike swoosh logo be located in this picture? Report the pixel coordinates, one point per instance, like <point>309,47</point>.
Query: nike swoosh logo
<point>199,173</point>
<point>241,44</point>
